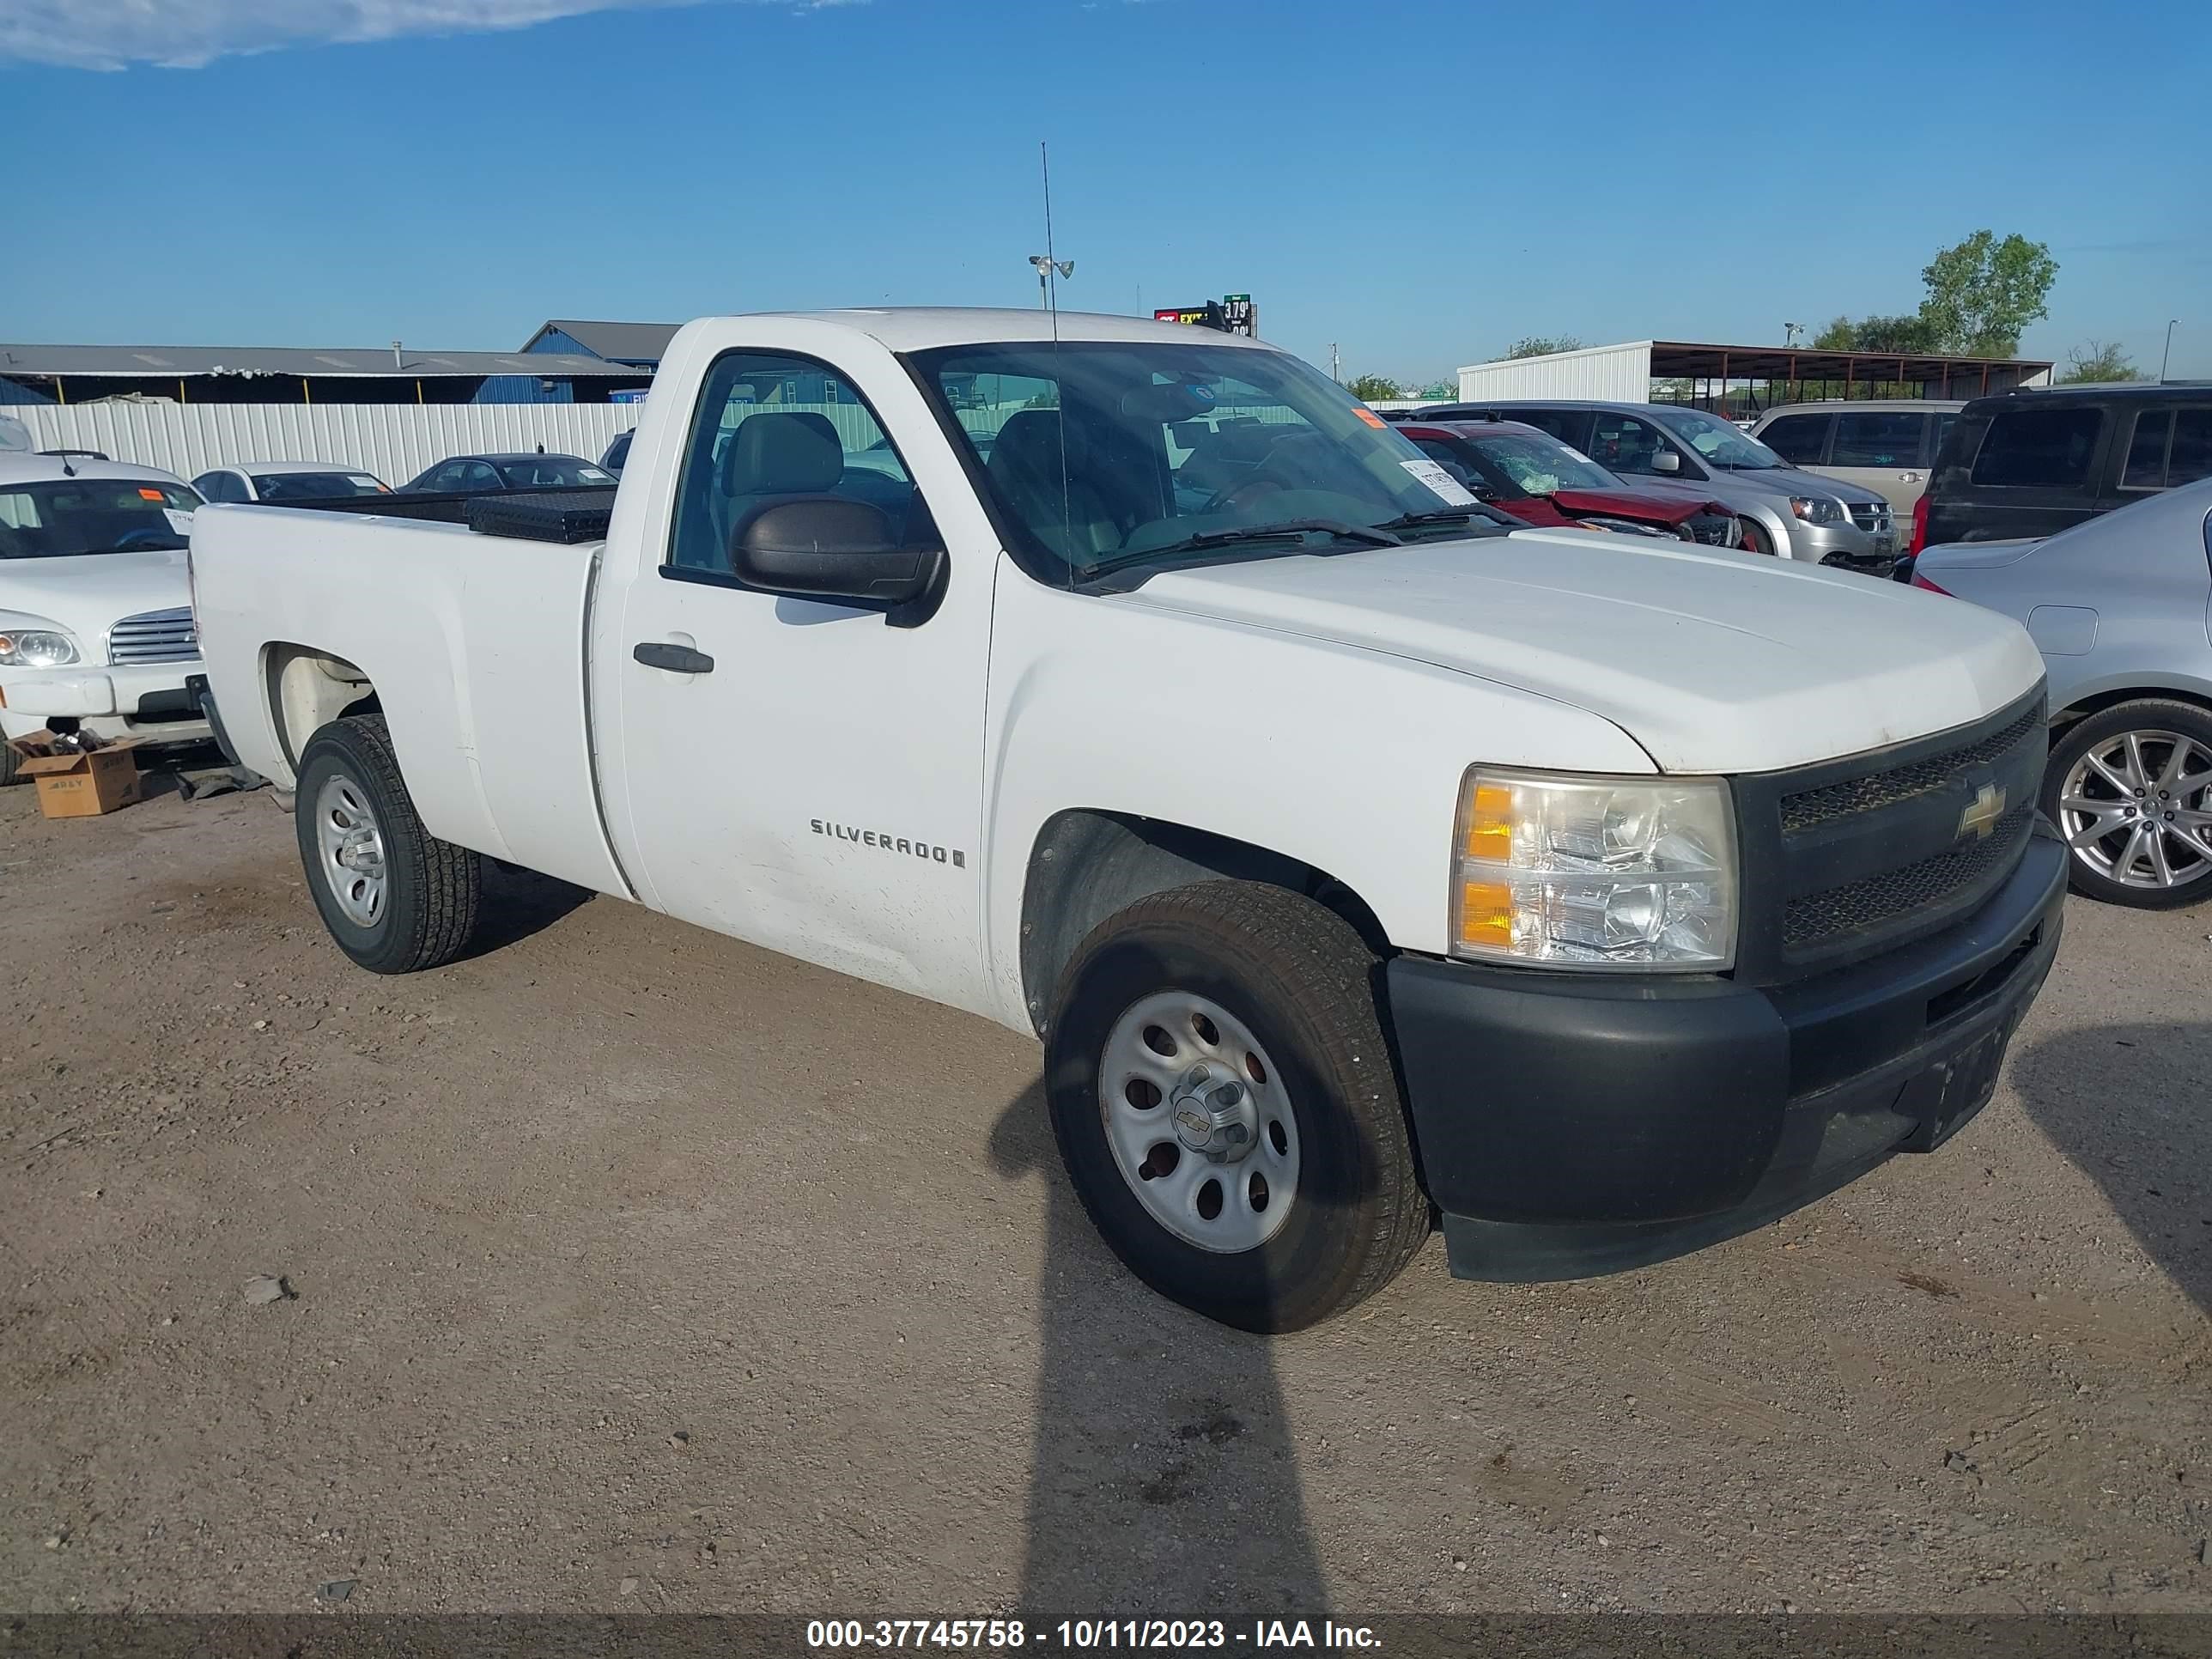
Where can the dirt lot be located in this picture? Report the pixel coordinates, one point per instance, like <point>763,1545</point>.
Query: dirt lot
<point>636,1268</point>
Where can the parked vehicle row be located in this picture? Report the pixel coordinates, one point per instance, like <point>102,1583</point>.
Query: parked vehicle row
<point>1355,857</point>
<point>1780,510</point>
<point>1887,445</point>
<point>1536,479</point>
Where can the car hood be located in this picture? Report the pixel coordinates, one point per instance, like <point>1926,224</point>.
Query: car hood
<point>1632,503</point>
<point>89,595</point>
<point>1789,481</point>
<point>1712,660</point>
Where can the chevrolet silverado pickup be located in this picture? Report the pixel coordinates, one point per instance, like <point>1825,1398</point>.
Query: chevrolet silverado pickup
<point>1361,863</point>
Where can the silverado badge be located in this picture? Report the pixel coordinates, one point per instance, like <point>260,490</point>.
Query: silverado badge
<point>1982,813</point>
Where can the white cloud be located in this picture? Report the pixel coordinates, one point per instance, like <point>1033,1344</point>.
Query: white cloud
<point>107,34</point>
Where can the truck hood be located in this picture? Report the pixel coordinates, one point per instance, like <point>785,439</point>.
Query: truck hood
<point>1713,661</point>
<point>89,595</point>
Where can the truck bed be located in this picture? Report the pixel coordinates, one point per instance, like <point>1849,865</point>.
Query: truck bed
<point>473,642</point>
<point>565,516</point>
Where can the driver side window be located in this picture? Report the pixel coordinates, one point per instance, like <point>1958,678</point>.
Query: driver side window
<point>1622,443</point>
<point>770,427</point>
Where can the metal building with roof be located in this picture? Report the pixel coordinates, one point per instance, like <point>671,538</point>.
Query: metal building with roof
<point>642,345</point>
<point>287,375</point>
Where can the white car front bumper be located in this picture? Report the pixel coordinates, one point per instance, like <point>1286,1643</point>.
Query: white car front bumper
<point>146,700</point>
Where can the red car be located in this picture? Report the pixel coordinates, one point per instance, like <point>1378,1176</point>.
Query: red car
<point>1540,481</point>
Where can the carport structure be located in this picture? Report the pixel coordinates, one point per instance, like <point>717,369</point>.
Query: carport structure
<point>1799,375</point>
<point>1737,380</point>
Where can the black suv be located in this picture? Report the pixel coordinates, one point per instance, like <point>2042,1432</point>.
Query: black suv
<point>2026,464</point>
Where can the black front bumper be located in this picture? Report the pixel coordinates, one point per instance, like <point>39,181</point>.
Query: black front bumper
<point>1572,1125</point>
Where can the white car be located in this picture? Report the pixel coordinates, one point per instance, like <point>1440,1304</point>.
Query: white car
<point>1356,857</point>
<point>288,481</point>
<point>95,602</point>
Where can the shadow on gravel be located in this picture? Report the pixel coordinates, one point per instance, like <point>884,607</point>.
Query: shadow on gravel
<point>1165,1484</point>
<point>519,902</point>
<point>2132,1106</point>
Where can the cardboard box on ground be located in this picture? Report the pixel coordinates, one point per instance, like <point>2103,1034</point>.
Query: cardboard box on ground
<point>77,782</point>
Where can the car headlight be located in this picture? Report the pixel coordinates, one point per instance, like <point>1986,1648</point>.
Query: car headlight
<point>1817,510</point>
<point>36,643</point>
<point>1568,870</point>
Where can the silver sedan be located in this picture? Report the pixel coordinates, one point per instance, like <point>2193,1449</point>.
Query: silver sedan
<point>2121,608</point>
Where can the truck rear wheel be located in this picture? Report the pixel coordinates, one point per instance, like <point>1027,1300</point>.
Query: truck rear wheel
<point>395,897</point>
<point>1226,1106</point>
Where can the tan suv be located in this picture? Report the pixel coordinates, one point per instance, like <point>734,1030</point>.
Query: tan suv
<point>1885,444</point>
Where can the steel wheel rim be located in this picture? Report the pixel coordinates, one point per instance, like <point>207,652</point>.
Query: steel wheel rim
<point>2136,809</point>
<point>351,846</point>
<point>1164,1064</point>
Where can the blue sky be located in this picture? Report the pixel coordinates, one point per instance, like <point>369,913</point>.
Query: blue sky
<point>1419,183</point>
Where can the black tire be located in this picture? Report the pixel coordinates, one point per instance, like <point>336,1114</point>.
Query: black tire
<point>2147,715</point>
<point>7,758</point>
<point>433,888</point>
<point>1303,983</point>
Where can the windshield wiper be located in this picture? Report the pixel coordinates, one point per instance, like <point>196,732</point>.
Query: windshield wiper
<point>1449,515</point>
<point>1250,535</point>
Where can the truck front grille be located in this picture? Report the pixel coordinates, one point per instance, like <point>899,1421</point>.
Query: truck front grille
<point>1847,858</point>
<point>1878,900</point>
<point>1808,809</point>
<point>155,636</point>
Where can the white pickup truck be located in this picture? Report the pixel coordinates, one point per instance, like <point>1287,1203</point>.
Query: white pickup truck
<point>1359,862</point>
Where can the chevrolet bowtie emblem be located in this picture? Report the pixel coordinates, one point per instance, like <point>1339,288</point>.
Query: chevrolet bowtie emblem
<point>1982,813</point>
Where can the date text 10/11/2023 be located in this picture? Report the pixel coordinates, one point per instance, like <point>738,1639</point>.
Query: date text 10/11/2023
<point>1083,1634</point>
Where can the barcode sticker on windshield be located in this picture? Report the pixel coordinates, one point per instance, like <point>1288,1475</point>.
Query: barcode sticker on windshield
<point>181,522</point>
<point>1440,481</point>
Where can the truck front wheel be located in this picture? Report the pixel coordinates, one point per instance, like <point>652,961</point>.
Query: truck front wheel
<point>396,898</point>
<point>1227,1109</point>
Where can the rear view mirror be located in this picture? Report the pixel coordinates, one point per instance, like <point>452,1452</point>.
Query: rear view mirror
<point>1666,460</point>
<point>827,547</point>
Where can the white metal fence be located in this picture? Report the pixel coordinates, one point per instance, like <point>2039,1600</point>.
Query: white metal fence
<point>394,440</point>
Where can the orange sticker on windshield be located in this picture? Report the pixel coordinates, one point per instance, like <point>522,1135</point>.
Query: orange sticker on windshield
<point>150,494</point>
<point>1371,417</point>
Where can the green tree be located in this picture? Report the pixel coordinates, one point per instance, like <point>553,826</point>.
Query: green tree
<point>2097,360</point>
<point>1842,335</point>
<point>1909,336</point>
<point>1982,292</point>
<point>1375,388</point>
<point>1441,389</point>
<point>1542,345</point>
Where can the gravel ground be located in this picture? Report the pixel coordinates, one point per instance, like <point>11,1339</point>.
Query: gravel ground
<point>626,1267</point>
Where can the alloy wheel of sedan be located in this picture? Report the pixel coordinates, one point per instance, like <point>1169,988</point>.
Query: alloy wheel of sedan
<point>2136,809</point>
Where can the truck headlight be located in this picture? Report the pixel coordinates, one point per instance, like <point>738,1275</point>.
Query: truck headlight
<point>36,647</point>
<point>1817,510</point>
<point>1568,870</point>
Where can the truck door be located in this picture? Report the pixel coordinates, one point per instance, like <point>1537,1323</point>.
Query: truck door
<point>798,772</point>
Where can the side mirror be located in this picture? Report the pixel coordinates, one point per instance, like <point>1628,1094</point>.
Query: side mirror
<point>828,547</point>
<point>1666,460</point>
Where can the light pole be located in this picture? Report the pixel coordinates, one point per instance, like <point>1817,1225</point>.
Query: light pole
<point>2164,355</point>
<point>1045,269</point>
<point>1790,332</point>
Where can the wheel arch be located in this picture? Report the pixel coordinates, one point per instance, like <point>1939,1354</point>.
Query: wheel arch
<point>1088,863</point>
<point>2098,702</point>
<point>305,689</point>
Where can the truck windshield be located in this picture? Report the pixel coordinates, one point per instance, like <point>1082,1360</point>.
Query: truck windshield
<point>63,518</point>
<point>1719,441</point>
<point>1100,454</point>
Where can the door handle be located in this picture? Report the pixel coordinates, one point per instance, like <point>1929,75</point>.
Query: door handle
<point>676,659</point>
<point>1908,477</point>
